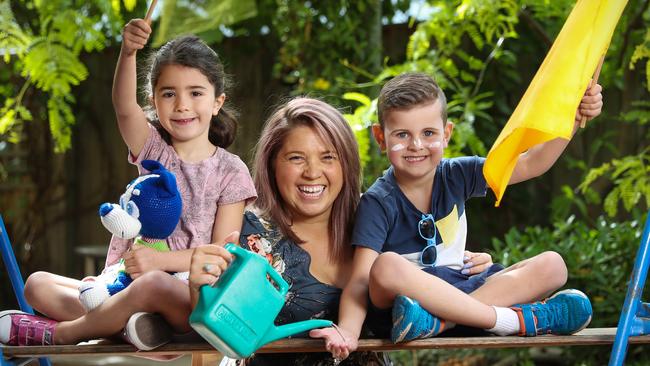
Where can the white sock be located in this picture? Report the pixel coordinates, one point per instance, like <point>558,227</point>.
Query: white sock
<point>507,322</point>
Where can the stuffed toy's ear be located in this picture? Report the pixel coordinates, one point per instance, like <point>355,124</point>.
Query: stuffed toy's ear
<point>152,166</point>
<point>168,183</point>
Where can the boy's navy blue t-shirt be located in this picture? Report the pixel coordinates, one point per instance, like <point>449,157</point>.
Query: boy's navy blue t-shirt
<point>386,221</point>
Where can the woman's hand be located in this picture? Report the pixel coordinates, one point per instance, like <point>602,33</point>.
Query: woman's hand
<point>340,345</point>
<point>135,36</point>
<point>475,262</point>
<point>208,263</point>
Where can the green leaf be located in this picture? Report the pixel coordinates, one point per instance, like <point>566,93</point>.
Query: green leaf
<point>61,120</point>
<point>13,40</point>
<point>7,120</point>
<point>358,97</point>
<point>53,68</point>
<point>184,16</point>
<point>129,5</point>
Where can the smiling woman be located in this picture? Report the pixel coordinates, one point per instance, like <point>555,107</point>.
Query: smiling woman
<point>311,177</point>
<point>307,174</point>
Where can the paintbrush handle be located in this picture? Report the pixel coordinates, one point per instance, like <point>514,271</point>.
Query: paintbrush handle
<point>147,18</point>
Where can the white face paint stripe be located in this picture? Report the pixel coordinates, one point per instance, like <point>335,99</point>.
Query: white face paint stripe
<point>397,147</point>
<point>435,145</point>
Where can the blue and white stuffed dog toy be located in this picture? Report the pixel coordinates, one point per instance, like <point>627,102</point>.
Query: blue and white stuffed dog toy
<point>148,212</point>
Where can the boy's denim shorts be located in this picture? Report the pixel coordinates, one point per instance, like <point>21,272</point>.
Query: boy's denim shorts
<point>379,321</point>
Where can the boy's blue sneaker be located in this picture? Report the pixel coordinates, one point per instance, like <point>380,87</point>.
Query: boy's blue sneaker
<point>411,321</point>
<point>566,312</point>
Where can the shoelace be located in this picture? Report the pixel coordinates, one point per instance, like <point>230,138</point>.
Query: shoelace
<point>550,315</point>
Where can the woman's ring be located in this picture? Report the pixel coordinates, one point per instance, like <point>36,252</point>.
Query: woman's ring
<point>207,267</point>
<point>337,361</point>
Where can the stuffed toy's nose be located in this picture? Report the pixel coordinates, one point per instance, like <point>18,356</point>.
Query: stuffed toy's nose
<point>118,221</point>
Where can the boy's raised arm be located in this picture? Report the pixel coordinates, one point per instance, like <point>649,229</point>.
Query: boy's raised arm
<point>541,158</point>
<point>131,119</point>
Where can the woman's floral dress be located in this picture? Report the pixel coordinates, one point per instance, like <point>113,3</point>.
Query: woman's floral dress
<point>307,298</point>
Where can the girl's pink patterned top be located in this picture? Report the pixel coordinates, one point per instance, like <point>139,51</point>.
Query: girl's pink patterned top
<point>218,180</point>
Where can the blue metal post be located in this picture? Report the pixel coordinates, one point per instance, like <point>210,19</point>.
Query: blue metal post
<point>12,269</point>
<point>633,306</point>
<point>16,279</point>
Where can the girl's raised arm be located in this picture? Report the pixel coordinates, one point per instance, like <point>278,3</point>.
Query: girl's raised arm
<point>130,117</point>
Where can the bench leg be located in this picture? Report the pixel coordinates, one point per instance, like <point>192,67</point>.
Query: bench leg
<point>15,277</point>
<point>197,359</point>
<point>205,359</point>
<point>629,324</point>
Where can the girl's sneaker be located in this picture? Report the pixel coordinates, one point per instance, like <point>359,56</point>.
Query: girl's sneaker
<point>566,312</point>
<point>147,331</point>
<point>21,329</point>
<point>411,321</point>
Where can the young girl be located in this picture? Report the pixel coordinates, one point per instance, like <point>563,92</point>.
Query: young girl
<point>187,130</point>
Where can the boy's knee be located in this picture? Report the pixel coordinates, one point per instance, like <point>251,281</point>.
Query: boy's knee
<point>555,268</point>
<point>385,271</point>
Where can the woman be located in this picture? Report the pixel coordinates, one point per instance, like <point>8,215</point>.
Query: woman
<point>307,174</point>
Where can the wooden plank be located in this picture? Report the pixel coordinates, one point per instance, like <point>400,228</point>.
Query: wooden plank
<point>587,337</point>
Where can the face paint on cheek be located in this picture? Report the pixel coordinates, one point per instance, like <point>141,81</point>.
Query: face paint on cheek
<point>397,147</point>
<point>436,145</point>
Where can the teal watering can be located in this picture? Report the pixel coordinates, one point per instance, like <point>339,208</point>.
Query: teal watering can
<point>236,315</point>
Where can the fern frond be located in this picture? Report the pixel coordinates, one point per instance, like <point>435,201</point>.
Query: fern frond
<point>630,177</point>
<point>53,68</point>
<point>13,40</point>
<point>61,121</point>
<point>640,52</point>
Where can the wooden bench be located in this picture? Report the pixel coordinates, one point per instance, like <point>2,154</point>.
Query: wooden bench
<point>202,351</point>
<point>633,324</point>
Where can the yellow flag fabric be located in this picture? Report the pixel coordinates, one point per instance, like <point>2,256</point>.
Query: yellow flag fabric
<point>547,109</point>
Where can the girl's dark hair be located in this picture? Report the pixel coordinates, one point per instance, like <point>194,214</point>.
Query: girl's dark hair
<point>190,51</point>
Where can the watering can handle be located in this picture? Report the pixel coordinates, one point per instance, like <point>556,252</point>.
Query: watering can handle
<point>233,249</point>
<point>283,287</point>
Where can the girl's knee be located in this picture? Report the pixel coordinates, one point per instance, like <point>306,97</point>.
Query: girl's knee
<point>151,287</point>
<point>153,281</point>
<point>34,283</point>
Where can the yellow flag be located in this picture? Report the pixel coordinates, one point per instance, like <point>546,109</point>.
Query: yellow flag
<point>547,109</point>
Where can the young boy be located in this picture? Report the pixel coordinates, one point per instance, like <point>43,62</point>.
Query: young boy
<point>410,233</point>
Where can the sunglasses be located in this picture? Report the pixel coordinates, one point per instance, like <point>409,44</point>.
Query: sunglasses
<point>427,230</point>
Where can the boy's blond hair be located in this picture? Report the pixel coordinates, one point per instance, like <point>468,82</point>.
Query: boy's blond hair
<point>408,90</point>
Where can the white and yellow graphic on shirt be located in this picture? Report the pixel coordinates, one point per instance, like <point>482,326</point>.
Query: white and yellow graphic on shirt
<point>452,230</point>
<point>448,227</point>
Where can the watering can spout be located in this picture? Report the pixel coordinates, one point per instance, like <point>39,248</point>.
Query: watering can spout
<point>274,333</point>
